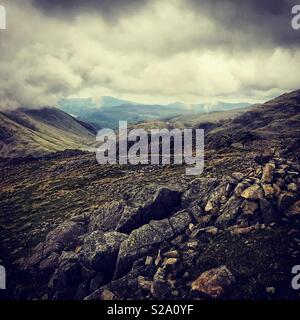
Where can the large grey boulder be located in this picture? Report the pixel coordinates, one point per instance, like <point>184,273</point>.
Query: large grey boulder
<point>100,250</point>
<point>141,241</point>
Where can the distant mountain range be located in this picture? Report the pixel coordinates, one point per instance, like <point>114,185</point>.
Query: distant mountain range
<point>109,111</point>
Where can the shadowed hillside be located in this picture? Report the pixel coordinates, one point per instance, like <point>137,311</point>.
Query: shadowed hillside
<point>36,132</point>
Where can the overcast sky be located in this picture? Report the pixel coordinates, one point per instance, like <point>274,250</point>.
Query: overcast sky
<point>147,51</point>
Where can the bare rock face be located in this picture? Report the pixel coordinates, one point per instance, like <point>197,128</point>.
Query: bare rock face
<point>100,250</point>
<point>157,207</point>
<point>214,282</point>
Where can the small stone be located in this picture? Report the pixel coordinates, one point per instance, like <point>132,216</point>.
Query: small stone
<point>294,210</point>
<point>209,206</point>
<point>214,282</point>
<point>211,231</point>
<point>249,207</point>
<point>292,187</point>
<point>160,274</point>
<point>170,264</point>
<point>107,295</point>
<point>158,258</point>
<point>254,192</point>
<point>149,261</point>
<point>78,249</point>
<point>202,222</point>
<point>144,283</point>
<point>237,175</point>
<point>192,244</point>
<point>268,172</point>
<point>241,187</point>
<point>285,200</point>
<point>268,190</point>
<point>191,227</point>
<point>271,290</point>
<point>242,231</point>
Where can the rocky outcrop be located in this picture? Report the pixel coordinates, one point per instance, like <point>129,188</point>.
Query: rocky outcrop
<point>100,250</point>
<point>141,241</point>
<point>66,236</point>
<point>158,207</point>
<point>146,246</point>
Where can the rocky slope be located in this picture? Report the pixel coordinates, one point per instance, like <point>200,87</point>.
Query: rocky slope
<point>71,229</point>
<point>160,247</point>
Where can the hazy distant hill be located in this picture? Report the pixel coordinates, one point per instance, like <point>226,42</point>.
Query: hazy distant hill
<point>36,132</point>
<point>110,110</point>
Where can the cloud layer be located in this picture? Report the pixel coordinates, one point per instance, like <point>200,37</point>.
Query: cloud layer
<point>148,51</point>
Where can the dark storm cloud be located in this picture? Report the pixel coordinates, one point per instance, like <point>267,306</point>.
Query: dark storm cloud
<point>105,7</point>
<point>255,23</point>
<point>267,21</point>
<point>150,51</point>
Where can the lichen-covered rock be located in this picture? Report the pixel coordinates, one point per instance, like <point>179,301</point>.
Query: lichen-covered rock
<point>229,212</point>
<point>141,241</point>
<point>217,197</point>
<point>66,277</point>
<point>100,250</point>
<point>106,217</point>
<point>198,192</point>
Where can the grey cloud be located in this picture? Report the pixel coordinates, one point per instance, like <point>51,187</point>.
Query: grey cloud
<point>261,21</point>
<point>108,8</point>
<point>163,51</point>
